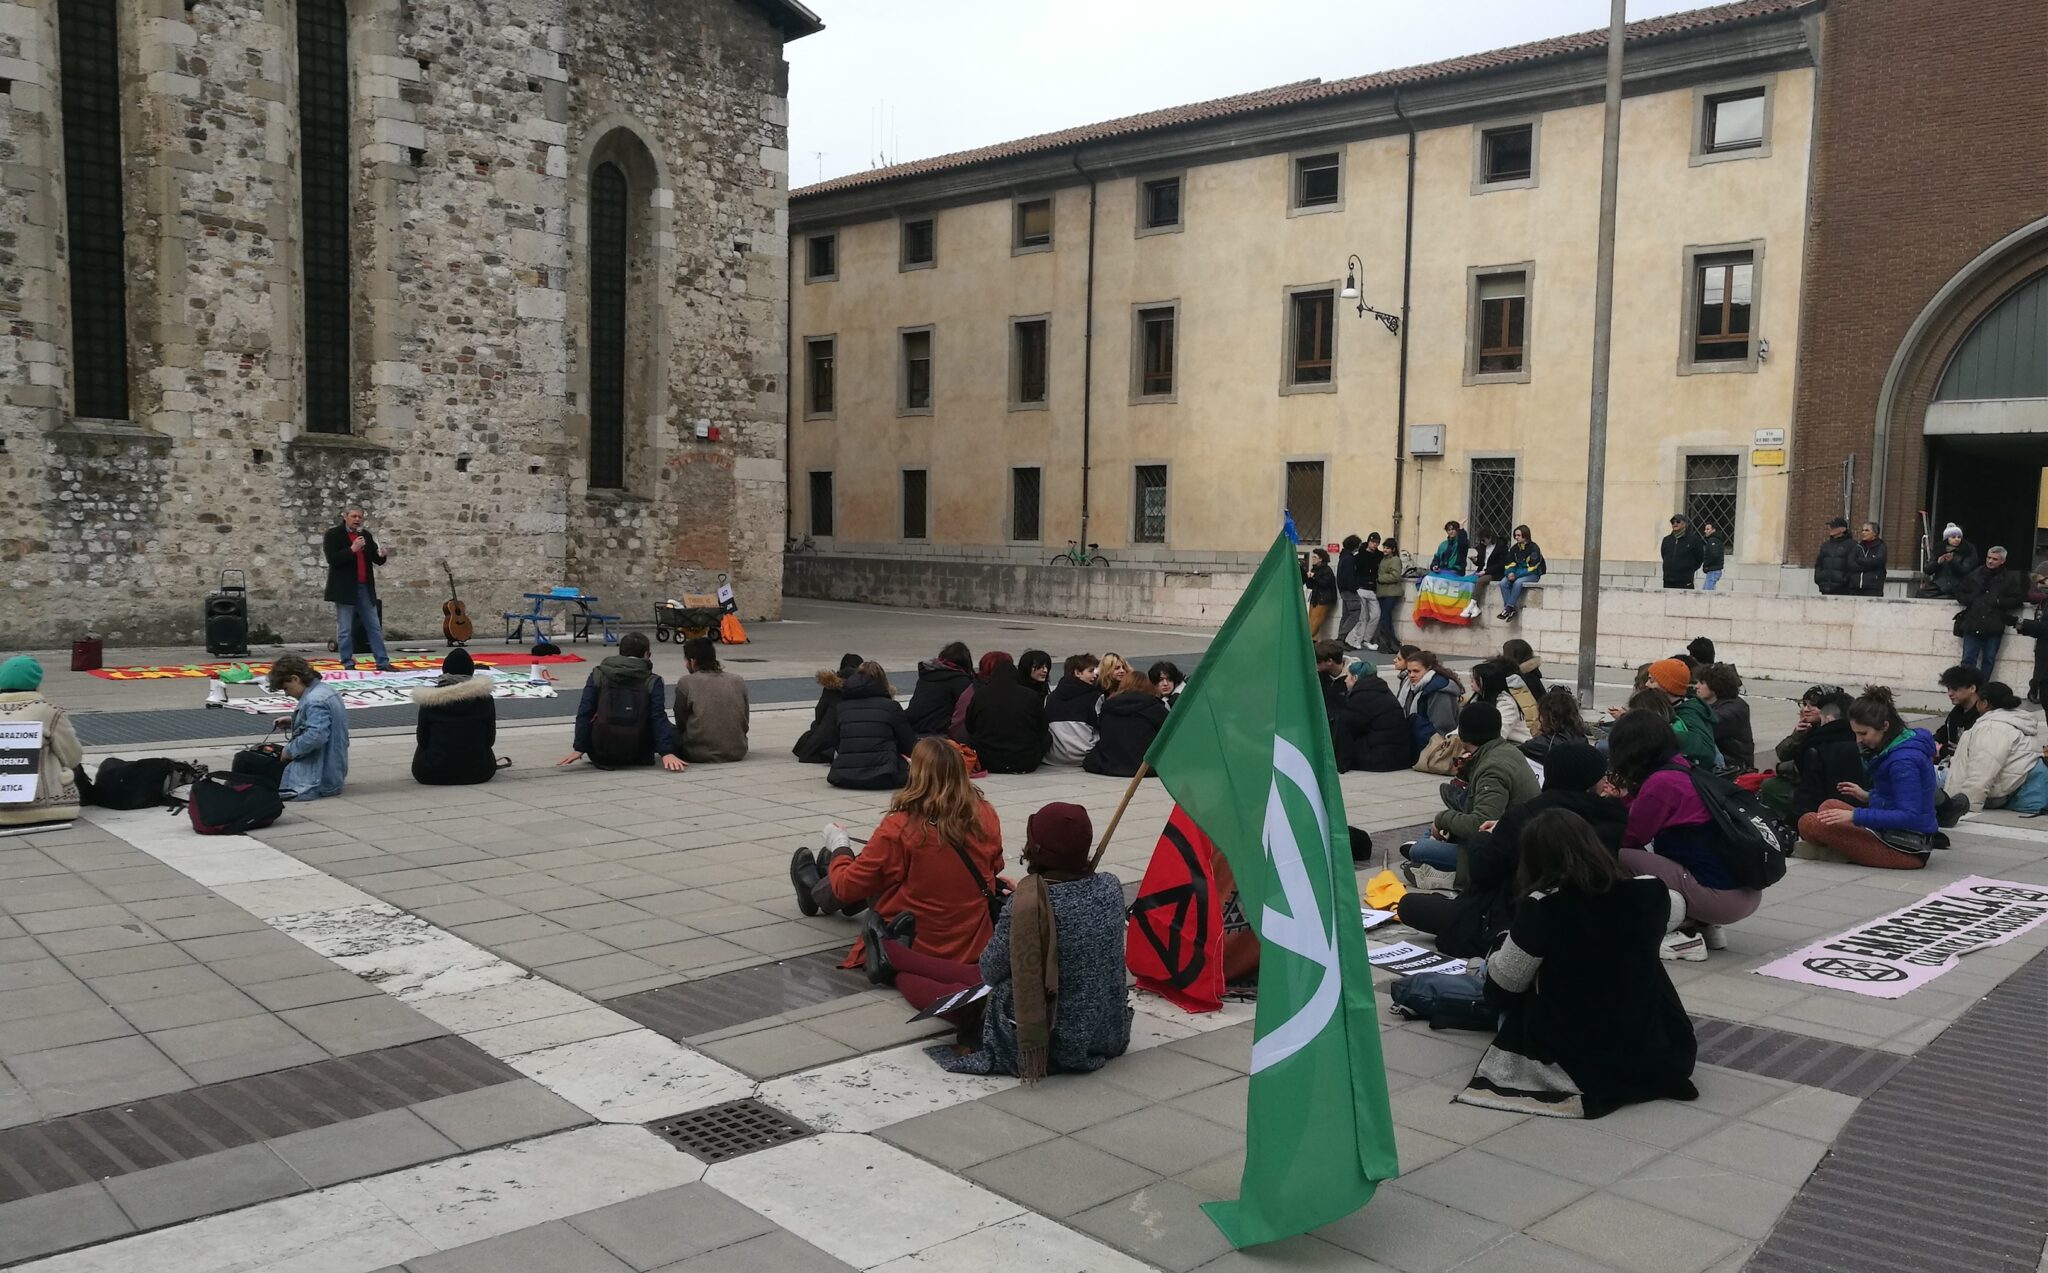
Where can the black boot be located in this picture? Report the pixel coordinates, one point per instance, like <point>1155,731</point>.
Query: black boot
<point>804,877</point>
<point>902,930</point>
<point>875,960</point>
<point>834,906</point>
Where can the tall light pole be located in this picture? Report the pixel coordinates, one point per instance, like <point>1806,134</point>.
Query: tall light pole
<point>1603,327</point>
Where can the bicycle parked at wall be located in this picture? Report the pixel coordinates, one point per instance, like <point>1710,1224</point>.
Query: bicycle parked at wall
<point>1075,556</point>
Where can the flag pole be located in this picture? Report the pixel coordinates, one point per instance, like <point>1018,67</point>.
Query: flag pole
<point>1118,816</point>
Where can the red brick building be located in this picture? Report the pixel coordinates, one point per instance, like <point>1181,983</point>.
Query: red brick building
<point>1924,320</point>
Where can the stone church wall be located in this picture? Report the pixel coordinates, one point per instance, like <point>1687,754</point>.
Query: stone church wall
<point>475,126</point>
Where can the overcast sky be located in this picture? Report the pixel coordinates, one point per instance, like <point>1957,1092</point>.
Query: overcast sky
<point>892,80</point>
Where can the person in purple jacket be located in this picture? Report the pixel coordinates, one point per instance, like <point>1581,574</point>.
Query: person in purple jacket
<point>1894,828</point>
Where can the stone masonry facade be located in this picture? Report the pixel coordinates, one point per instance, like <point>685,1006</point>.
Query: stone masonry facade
<point>474,129</point>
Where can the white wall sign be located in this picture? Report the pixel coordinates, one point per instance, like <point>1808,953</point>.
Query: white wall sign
<point>21,758</point>
<point>1769,439</point>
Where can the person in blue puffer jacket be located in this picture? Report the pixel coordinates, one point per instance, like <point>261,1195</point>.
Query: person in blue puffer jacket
<point>1895,828</point>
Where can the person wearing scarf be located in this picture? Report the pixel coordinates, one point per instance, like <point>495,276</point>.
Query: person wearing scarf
<point>1055,966</point>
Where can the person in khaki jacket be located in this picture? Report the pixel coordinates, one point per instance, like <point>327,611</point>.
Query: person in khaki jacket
<point>22,703</point>
<point>711,708</point>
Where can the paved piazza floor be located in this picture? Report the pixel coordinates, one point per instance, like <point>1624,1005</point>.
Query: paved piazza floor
<point>427,1028</point>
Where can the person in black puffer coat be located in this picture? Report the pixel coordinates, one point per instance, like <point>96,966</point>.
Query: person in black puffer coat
<point>1006,723</point>
<point>1370,730</point>
<point>1834,569</point>
<point>1467,925</point>
<point>1867,563</point>
<point>940,683</point>
<point>870,735</point>
<point>1129,721</point>
<point>812,748</point>
<point>458,726</point>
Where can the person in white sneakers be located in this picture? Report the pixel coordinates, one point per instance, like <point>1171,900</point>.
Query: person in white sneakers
<point>1671,835</point>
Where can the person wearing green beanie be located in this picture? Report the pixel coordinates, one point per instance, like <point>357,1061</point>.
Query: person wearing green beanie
<point>56,791</point>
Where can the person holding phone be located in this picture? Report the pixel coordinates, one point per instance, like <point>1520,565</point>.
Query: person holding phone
<point>352,560</point>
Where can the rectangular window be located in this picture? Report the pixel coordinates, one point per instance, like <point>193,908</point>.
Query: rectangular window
<point>821,504</point>
<point>1159,204</point>
<point>915,508</point>
<point>1024,491</point>
<point>1507,153</point>
<point>1034,223</point>
<point>1711,490</point>
<point>1305,499</point>
<point>1312,334</point>
<point>1317,181</point>
<point>1733,121</point>
<point>1148,521</point>
<point>818,364</point>
<point>326,159</point>
<point>1155,346</point>
<point>920,243</point>
<point>1722,287</point>
<point>1030,352</point>
<point>1492,508</point>
<point>95,236</point>
<point>821,258</point>
<point>1503,319</point>
<point>917,371</point>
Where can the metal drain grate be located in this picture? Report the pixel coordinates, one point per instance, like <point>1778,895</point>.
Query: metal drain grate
<point>730,1130</point>
<point>691,1009</point>
<point>1796,1058</point>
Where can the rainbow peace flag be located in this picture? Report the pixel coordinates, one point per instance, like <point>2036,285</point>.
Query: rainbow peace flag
<point>1442,598</point>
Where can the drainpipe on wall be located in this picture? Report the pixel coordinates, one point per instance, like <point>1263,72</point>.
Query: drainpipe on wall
<point>789,399</point>
<point>1087,352</point>
<point>1407,272</point>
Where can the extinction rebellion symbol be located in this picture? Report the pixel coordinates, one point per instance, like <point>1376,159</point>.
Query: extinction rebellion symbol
<point>2006,894</point>
<point>1855,969</point>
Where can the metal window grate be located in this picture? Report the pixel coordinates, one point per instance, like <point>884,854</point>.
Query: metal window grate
<point>1024,493</point>
<point>1493,498</point>
<point>324,210</point>
<point>1305,499</point>
<point>916,501</point>
<point>1710,490</point>
<point>821,504</point>
<point>89,37</point>
<point>720,1132</point>
<point>607,327</point>
<point>1148,525</point>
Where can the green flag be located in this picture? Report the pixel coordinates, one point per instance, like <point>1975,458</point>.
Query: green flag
<point>1246,752</point>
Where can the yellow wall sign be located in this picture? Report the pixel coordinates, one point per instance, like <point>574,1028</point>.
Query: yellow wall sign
<point>1762,457</point>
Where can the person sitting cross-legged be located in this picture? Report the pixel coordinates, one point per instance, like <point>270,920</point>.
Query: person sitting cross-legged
<point>1497,778</point>
<point>1055,966</point>
<point>1589,1019</point>
<point>622,718</point>
<point>1895,826</point>
<point>457,728</point>
<point>316,755</point>
<point>56,798</point>
<point>712,713</point>
<point>1006,722</point>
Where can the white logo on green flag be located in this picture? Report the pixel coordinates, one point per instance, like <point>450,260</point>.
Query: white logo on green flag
<point>1304,929</point>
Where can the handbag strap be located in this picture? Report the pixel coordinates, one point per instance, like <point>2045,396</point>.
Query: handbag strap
<point>980,886</point>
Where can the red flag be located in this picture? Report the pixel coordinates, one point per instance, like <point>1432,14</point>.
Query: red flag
<point>1174,944</point>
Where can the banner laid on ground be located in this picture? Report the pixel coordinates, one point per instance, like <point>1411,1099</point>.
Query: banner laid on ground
<point>324,666</point>
<point>1405,959</point>
<point>388,689</point>
<point>21,760</point>
<point>1246,753</point>
<point>1896,954</point>
<point>1441,598</point>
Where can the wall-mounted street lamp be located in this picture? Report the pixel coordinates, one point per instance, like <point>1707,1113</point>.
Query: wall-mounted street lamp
<point>1353,267</point>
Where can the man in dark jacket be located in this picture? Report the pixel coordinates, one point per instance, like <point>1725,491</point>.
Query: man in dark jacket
<point>614,726</point>
<point>1713,553</point>
<point>1006,723</point>
<point>1467,924</point>
<point>1370,731</point>
<point>457,727</point>
<point>1683,553</point>
<point>1128,724</point>
<point>1833,572</point>
<point>1070,712</point>
<point>870,735</point>
<point>1330,675</point>
<point>1347,591</point>
<point>940,683</point>
<point>1991,598</point>
<point>1961,683</point>
<point>1867,563</point>
<point>352,560</point>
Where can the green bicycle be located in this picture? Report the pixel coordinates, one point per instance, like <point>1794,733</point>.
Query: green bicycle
<point>1074,556</point>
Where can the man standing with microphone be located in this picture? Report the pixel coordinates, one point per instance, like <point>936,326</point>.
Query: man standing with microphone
<point>352,561</point>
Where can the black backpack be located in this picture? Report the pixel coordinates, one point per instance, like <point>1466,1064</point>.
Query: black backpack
<point>240,801</point>
<point>1752,839</point>
<point>618,730</point>
<point>137,784</point>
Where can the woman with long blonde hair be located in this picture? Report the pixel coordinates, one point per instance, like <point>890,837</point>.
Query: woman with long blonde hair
<point>1111,674</point>
<point>929,877</point>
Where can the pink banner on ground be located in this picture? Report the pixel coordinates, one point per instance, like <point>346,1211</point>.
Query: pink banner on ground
<point>1895,954</point>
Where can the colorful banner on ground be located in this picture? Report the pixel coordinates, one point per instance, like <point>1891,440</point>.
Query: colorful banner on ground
<point>324,666</point>
<point>1247,754</point>
<point>1442,598</point>
<point>1896,954</point>
<point>388,689</point>
<point>1173,944</point>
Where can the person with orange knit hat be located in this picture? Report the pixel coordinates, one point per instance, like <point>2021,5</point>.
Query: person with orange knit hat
<point>1692,719</point>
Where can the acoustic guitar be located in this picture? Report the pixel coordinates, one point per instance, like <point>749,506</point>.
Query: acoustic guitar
<point>455,624</point>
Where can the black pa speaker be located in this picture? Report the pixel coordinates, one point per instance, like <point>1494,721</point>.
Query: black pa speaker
<point>227,616</point>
